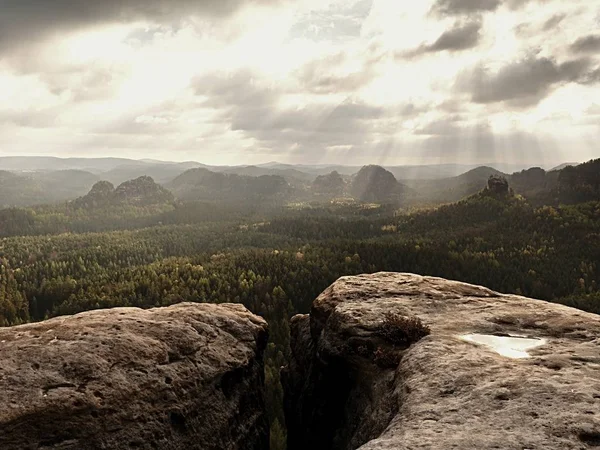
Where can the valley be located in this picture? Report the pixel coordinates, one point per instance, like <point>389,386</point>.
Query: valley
<point>219,238</point>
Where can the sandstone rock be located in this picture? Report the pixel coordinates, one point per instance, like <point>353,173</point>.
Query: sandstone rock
<point>185,377</point>
<point>440,392</point>
<point>498,185</point>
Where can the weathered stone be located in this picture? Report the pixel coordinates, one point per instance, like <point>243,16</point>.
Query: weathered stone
<point>442,392</point>
<point>185,377</point>
<point>498,185</point>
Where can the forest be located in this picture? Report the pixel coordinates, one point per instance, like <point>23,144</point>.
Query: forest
<point>115,247</point>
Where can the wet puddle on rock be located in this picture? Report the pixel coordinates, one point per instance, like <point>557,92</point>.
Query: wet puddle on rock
<point>509,346</point>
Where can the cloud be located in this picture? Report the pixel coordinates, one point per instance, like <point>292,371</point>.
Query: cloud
<point>340,72</point>
<point>587,44</point>
<point>457,7</point>
<point>31,118</point>
<point>303,78</point>
<point>441,127</point>
<point>470,7</point>
<point>252,107</point>
<point>24,22</point>
<point>553,22</point>
<point>340,20</point>
<point>241,90</point>
<point>532,29</point>
<point>460,38</point>
<point>526,82</point>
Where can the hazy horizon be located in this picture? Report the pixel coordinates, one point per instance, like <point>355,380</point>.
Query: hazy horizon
<point>546,165</point>
<point>245,82</point>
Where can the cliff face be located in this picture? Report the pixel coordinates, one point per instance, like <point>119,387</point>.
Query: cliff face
<point>365,373</point>
<point>185,377</point>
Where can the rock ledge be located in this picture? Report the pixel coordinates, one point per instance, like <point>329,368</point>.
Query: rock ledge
<point>440,392</point>
<point>188,376</point>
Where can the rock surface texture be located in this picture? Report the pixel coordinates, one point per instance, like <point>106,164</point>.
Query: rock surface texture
<point>353,382</point>
<point>185,377</point>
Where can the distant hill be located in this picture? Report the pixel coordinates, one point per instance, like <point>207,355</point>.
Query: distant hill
<point>401,172</point>
<point>332,184</point>
<point>115,170</point>
<point>142,191</point>
<point>578,184</point>
<point>32,181</point>
<point>447,190</point>
<point>50,163</point>
<point>375,184</point>
<point>562,166</point>
<point>36,188</point>
<point>290,174</point>
<point>203,184</point>
<point>161,173</point>
<point>64,185</point>
<point>118,170</point>
<point>16,190</point>
<point>536,185</point>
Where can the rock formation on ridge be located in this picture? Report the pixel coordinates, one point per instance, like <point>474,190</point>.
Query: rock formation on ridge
<point>498,185</point>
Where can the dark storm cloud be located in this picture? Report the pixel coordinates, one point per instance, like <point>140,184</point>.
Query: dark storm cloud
<point>24,22</point>
<point>587,44</point>
<point>525,83</point>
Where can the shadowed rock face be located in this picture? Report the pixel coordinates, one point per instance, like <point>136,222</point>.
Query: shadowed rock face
<point>350,386</point>
<point>185,377</point>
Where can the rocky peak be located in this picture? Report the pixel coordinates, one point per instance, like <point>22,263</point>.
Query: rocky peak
<point>498,185</point>
<point>142,191</point>
<point>375,184</point>
<point>332,183</point>
<point>401,361</point>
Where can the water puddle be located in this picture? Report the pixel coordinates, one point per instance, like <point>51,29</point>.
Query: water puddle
<point>509,346</point>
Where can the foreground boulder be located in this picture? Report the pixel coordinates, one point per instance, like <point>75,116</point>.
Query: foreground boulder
<point>400,361</point>
<point>185,377</point>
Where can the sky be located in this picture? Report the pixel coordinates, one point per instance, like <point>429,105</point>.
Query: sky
<point>302,81</point>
